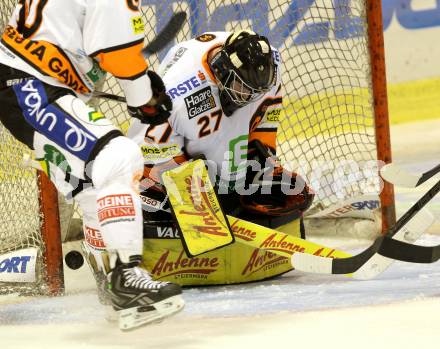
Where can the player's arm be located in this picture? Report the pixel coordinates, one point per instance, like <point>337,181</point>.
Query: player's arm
<point>114,37</point>
<point>265,120</point>
<point>280,192</point>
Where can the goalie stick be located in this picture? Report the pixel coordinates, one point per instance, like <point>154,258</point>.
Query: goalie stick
<point>394,174</point>
<point>368,258</point>
<point>162,39</point>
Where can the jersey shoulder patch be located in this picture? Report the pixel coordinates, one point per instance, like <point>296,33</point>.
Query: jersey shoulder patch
<point>205,37</point>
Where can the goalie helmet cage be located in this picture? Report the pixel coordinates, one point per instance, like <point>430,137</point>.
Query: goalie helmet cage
<point>334,109</point>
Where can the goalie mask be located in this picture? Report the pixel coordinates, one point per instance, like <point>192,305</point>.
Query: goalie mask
<point>244,68</point>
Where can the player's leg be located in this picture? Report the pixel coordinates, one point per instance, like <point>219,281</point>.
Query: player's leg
<point>101,263</point>
<point>119,213</point>
<point>79,144</point>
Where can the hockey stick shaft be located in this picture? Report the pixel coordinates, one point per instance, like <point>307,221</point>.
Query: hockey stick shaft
<point>394,174</point>
<point>378,263</point>
<point>429,195</point>
<point>166,35</point>
<point>109,96</point>
<point>352,264</point>
<point>428,174</point>
<point>162,39</point>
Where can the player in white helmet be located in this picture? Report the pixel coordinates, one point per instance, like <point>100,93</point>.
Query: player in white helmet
<point>226,92</point>
<point>51,55</point>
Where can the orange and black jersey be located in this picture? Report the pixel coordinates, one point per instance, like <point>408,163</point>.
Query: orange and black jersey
<point>72,43</point>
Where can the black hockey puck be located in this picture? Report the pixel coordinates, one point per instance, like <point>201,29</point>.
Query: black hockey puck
<point>74,260</point>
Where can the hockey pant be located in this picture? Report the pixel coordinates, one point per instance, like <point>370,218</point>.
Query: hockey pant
<point>78,148</point>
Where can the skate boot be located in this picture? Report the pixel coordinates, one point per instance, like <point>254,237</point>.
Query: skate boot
<point>138,299</point>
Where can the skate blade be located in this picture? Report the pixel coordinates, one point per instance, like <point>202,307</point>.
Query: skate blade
<point>133,318</point>
<point>111,315</point>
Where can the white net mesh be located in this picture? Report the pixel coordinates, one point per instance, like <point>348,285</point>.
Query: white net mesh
<point>19,205</point>
<point>327,128</point>
<point>327,120</point>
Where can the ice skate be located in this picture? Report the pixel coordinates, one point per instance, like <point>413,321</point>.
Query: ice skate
<point>138,299</point>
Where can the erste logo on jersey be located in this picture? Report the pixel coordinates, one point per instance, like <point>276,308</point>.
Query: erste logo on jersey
<point>199,102</point>
<point>187,85</point>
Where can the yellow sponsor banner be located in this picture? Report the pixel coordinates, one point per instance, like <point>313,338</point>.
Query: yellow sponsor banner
<point>202,223</point>
<point>277,242</point>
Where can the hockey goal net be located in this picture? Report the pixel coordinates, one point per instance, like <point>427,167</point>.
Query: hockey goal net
<point>334,121</point>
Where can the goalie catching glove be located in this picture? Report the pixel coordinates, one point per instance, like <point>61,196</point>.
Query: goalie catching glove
<point>279,192</point>
<point>157,110</point>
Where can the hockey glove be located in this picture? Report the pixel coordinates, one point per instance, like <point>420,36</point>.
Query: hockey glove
<point>278,191</point>
<point>157,110</point>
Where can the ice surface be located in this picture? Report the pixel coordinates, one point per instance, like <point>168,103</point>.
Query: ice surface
<point>399,309</point>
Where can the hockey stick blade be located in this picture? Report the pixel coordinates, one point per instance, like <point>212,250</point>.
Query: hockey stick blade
<point>163,38</point>
<point>352,264</point>
<point>394,174</point>
<point>378,263</point>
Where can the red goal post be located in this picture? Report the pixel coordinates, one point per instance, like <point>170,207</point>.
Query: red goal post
<point>380,96</point>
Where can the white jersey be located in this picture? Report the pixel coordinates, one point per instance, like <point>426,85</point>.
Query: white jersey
<point>197,125</point>
<point>71,42</point>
